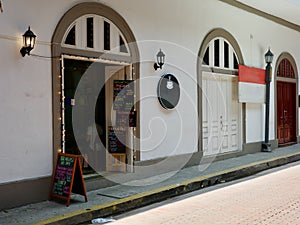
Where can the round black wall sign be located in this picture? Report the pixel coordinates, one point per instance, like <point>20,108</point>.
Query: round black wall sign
<point>168,91</point>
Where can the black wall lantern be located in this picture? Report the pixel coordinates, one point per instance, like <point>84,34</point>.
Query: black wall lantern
<point>28,42</point>
<point>160,57</point>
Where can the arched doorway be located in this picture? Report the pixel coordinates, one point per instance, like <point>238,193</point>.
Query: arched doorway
<point>286,102</point>
<point>220,113</point>
<point>91,37</point>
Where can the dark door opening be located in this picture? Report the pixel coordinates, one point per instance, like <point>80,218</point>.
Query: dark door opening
<point>93,127</point>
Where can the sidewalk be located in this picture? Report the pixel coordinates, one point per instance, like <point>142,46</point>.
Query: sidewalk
<point>113,200</point>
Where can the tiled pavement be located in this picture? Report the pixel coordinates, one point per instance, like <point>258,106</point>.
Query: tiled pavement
<point>270,199</point>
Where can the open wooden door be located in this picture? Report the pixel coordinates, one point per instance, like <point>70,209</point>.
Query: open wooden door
<point>117,161</point>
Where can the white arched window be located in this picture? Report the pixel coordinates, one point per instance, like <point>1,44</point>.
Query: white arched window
<point>95,33</point>
<point>220,54</point>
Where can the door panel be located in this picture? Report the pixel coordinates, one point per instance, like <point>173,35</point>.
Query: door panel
<point>280,116</point>
<point>211,118</point>
<point>111,73</point>
<point>286,112</point>
<point>117,73</point>
<point>221,112</point>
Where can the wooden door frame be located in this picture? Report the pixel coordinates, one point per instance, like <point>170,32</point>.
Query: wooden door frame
<point>290,58</point>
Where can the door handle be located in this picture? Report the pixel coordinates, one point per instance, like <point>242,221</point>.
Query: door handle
<point>221,122</point>
<point>284,114</point>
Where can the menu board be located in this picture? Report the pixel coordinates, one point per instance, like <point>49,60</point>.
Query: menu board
<point>67,178</point>
<point>116,139</point>
<point>123,95</point>
<point>125,119</point>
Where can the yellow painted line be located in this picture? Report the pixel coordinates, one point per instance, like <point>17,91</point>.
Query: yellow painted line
<point>155,191</point>
<point>237,168</point>
<point>197,179</point>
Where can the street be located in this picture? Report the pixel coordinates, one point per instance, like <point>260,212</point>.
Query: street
<point>272,197</point>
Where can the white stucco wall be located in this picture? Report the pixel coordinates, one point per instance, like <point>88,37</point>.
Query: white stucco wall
<point>26,90</point>
<point>185,24</point>
<point>177,27</point>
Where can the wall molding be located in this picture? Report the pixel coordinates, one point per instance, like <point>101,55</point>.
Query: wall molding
<point>260,13</point>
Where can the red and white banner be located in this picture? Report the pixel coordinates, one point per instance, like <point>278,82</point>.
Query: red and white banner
<point>252,84</point>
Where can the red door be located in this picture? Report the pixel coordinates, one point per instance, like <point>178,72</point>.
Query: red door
<point>286,112</point>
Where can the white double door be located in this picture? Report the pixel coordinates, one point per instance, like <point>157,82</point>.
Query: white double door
<point>221,113</point>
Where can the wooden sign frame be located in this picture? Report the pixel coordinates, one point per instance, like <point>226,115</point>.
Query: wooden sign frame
<point>67,179</point>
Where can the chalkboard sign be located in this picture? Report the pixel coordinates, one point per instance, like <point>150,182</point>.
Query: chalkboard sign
<point>67,178</point>
<point>116,139</point>
<point>123,95</point>
<point>126,119</point>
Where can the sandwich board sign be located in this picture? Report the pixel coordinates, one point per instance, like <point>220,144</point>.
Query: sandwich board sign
<point>67,178</point>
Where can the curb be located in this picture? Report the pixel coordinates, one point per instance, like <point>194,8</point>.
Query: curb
<point>161,194</point>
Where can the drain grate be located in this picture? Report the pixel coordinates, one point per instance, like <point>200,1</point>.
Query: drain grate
<point>109,196</point>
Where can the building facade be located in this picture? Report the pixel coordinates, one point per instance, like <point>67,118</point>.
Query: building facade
<point>63,96</point>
